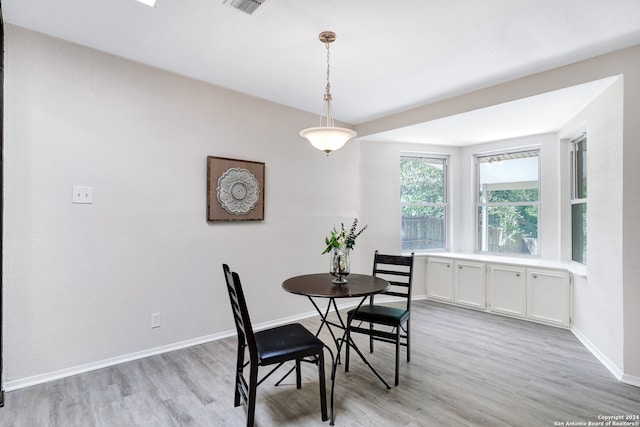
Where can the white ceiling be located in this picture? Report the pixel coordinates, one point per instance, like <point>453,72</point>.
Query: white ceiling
<point>390,55</point>
<point>535,115</point>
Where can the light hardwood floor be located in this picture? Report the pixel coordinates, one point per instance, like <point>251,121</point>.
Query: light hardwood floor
<point>467,369</point>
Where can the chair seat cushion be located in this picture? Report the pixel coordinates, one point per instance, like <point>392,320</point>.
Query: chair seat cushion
<point>382,314</point>
<point>277,344</point>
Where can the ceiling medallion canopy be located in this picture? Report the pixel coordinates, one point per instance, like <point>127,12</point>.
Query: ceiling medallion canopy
<point>327,137</point>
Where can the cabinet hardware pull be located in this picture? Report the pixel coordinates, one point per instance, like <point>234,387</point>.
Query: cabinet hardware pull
<point>535,276</point>
<point>517,274</point>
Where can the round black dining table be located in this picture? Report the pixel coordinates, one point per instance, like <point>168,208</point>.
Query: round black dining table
<point>319,285</point>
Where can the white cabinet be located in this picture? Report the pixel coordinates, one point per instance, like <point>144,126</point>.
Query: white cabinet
<point>470,284</point>
<point>522,290</point>
<point>440,279</point>
<point>507,290</point>
<point>549,297</point>
<point>460,282</point>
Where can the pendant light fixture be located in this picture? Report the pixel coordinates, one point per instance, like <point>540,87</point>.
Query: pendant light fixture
<point>327,137</point>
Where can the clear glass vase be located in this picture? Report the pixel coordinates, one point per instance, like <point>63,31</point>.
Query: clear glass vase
<point>340,265</point>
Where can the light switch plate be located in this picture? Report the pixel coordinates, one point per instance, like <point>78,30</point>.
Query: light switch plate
<point>82,194</point>
<point>155,320</point>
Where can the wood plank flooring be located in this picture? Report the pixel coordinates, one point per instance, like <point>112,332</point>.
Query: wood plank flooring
<point>467,369</point>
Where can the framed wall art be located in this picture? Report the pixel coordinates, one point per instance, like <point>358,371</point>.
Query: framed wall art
<point>235,190</point>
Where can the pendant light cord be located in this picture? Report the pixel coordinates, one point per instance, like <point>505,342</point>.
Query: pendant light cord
<point>327,96</point>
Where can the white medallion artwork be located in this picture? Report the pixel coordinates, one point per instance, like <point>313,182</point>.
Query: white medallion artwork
<point>238,191</point>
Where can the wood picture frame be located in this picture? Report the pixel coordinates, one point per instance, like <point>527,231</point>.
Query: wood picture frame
<point>235,189</point>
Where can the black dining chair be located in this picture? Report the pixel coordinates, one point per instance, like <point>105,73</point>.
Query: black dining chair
<point>386,322</point>
<point>273,346</point>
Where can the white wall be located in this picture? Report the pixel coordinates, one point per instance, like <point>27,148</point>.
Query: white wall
<point>610,324</point>
<point>81,281</point>
<point>599,299</point>
<point>630,67</point>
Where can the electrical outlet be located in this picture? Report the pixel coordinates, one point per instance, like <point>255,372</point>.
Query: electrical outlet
<point>155,320</point>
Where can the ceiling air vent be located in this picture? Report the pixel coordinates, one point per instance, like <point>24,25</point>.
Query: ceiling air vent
<point>246,6</point>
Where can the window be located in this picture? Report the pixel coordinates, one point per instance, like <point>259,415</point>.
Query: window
<point>508,202</point>
<point>423,197</point>
<point>579,199</point>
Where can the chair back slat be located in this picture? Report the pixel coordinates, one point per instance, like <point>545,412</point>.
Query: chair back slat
<point>396,283</point>
<point>398,271</point>
<point>394,259</point>
<point>396,294</point>
<point>240,312</point>
<point>394,272</point>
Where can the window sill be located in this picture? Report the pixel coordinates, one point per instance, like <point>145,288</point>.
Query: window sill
<point>577,269</point>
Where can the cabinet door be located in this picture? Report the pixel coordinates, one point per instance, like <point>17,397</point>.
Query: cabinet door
<point>507,290</point>
<point>548,294</point>
<point>440,279</point>
<point>470,284</point>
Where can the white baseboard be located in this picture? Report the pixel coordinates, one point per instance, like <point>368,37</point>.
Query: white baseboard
<point>80,369</point>
<point>602,358</point>
<point>631,380</point>
<point>75,370</point>
<point>606,362</point>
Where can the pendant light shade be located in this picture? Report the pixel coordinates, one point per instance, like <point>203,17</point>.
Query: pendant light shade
<point>327,137</point>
